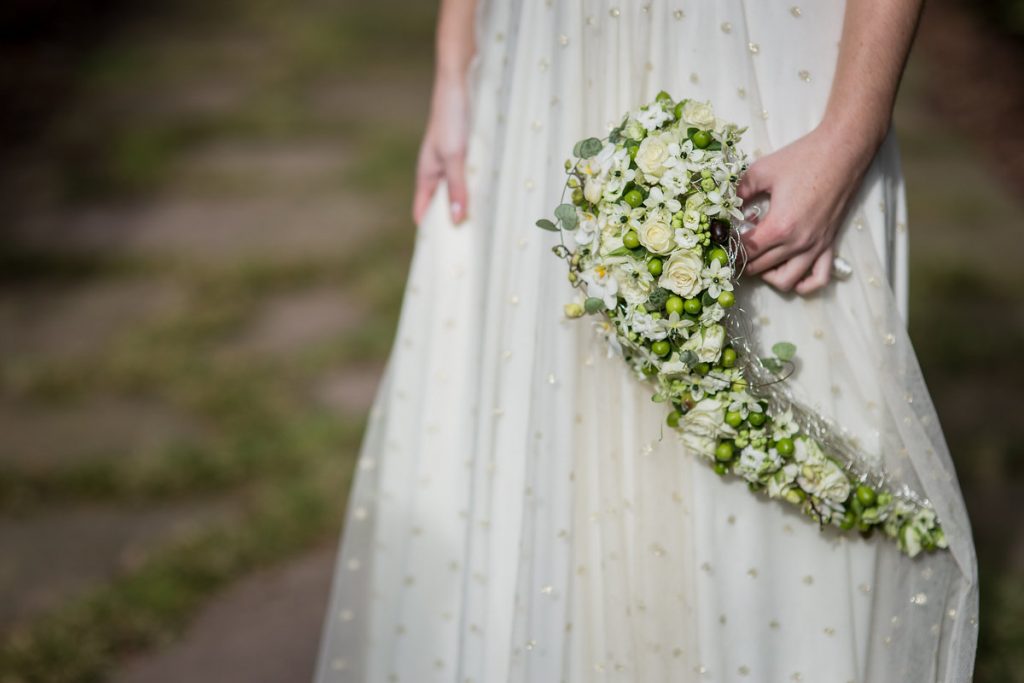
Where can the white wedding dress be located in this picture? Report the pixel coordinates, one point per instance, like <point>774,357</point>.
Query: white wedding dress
<point>520,513</point>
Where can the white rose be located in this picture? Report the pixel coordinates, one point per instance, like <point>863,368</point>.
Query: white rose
<point>698,114</point>
<point>681,273</point>
<point>633,129</point>
<point>652,155</point>
<point>699,444</point>
<point>826,480</point>
<point>657,235</point>
<point>708,344</point>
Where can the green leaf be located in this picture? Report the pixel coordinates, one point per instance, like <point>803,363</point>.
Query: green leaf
<point>593,304</point>
<point>621,251</point>
<point>589,148</point>
<point>784,350</point>
<point>566,215</point>
<point>545,224</point>
<point>773,364</point>
<point>706,299</point>
<point>714,146</point>
<point>688,358</point>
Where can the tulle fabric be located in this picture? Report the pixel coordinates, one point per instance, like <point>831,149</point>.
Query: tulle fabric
<point>520,513</point>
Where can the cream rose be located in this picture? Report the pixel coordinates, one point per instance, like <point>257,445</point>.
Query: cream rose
<point>657,235</point>
<point>708,344</point>
<point>652,155</point>
<point>698,114</point>
<point>681,273</point>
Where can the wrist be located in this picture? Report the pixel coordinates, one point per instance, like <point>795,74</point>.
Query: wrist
<point>857,139</point>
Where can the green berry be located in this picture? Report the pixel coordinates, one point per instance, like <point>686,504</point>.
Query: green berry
<point>756,419</point>
<point>849,519</point>
<point>701,139</point>
<point>720,468</point>
<point>866,495</point>
<point>654,267</point>
<point>720,255</point>
<point>631,240</point>
<point>785,447</point>
<point>724,451</point>
<point>577,196</point>
<point>692,306</point>
<point>661,348</point>
<point>733,418</point>
<point>673,419</point>
<point>675,304</point>
<point>633,198</point>
<point>728,357</point>
<point>703,368</point>
<point>726,299</point>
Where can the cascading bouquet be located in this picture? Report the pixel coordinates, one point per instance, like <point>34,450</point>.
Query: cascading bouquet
<point>651,238</point>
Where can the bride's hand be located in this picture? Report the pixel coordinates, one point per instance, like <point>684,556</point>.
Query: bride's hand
<point>811,182</point>
<point>442,153</point>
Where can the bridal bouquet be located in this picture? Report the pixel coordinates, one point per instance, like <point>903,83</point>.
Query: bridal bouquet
<point>651,240</point>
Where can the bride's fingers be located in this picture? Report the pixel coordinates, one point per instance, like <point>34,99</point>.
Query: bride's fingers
<point>455,173</point>
<point>785,276</point>
<point>428,174</point>
<point>768,259</point>
<point>821,273</point>
<point>753,182</point>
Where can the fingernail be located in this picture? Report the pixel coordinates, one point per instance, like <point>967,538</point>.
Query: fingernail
<point>456,211</point>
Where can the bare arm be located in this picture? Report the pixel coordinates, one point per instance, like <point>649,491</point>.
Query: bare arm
<point>813,179</point>
<point>443,150</point>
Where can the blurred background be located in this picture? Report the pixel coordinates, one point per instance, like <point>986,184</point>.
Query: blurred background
<point>195,308</point>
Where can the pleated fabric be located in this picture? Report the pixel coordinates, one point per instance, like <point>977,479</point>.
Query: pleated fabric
<point>520,513</point>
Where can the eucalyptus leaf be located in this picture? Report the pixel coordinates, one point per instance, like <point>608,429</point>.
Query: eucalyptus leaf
<point>566,215</point>
<point>577,149</point>
<point>772,364</point>
<point>784,350</point>
<point>545,224</point>
<point>589,148</point>
<point>688,358</point>
<point>593,304</point>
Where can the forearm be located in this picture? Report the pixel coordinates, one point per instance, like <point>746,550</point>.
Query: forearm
<point>873,50</point>
<point>455,42</point>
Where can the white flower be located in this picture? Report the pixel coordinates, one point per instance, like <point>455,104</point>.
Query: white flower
<point>819,475</point>
<point>656,235</point>
<point>704,423</point>
<point>681,273</point>
<point>716,278</point>
<point>635,281</point>
<point>593,188</point>
<point>711,314</point>
<point>724,201</point>
<point>754,463</point>
<point>744,404</point>
<point>698,114</point>
<point>634,130</point>
<point>691,219</point>
<point>782,480</point>
<point>783,426</point>
<point>644,324</point>
<point>653,116</point>
<point>708,344</point>
<point>656,200</point>
<point>652,156</point>
<point>686,238</point>
<point>601,283</point>
<point>586,230</point>
<point>675,180</point>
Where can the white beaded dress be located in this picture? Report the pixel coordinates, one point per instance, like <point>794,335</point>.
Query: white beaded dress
<point>519,511</point>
